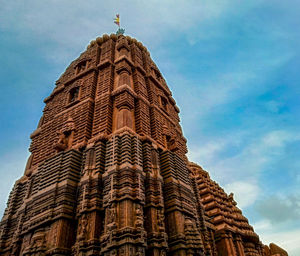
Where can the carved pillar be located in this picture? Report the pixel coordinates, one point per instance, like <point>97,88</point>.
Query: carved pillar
<point>64,237</point>
<point>204,231</point>
<point>89,214</point>
<point>213,242</point>
<point>225,244</point>
<point>154,209</point>
<point>231,243</point>
<point>123,197</point>
<point>179,207</point>
<point>122,47</point>
<point>239,246</point>
<point>123,97</point>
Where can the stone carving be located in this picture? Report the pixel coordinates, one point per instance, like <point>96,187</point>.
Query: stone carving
<point>111,213</point>
<point>161,220</point>
<point>113,252</point>
<point>37,244</point>
<point>139,252</point>
<point>121,171</point>
<point>163,253</point>
<point>65,136</point>
<point>124,118</point>
<point>139,219</point>
<point>63,141</point>
<point>122,252</point>
<point>82,227</point>
<point>231,199</point>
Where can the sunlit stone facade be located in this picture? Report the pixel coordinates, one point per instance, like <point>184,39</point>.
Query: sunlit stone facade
<point>108,173</point>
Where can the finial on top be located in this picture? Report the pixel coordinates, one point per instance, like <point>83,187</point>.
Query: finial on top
<point>120,31</point>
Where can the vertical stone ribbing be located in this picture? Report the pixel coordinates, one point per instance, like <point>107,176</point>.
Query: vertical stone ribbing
<point>108,175</point>
<point>154,204</point>
<point>181,218</point>
<point>123,196</point>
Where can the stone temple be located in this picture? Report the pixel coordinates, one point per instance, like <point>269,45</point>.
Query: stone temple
<point>108,173</point>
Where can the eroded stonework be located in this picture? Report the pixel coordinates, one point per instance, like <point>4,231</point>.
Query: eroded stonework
<point>108,173</point>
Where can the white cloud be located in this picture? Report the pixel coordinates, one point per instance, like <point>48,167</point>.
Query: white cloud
<point>62,30</point>
<point>71,26</point>
<point>287,239</point>
<point>278,138</point>
<point>279,208</point>
<point>245,193</point>
<point>240,172</point>
<point>207,152</point>
<point>255,150</point>
<point>262,225</point>
<point>59,20</point>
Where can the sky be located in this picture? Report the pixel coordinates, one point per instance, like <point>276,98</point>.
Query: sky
<point>232,66</point>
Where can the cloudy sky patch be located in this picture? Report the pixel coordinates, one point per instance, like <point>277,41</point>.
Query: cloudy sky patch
<point>232,67</point>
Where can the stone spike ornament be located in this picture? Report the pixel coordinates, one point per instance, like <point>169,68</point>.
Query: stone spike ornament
<point>108,173</point>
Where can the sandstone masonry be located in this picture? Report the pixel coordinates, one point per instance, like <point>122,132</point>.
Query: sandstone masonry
<point>108,173</point>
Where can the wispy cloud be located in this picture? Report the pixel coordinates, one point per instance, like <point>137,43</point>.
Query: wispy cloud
<point>279,209</point>
<point>232,66</point>
<point>245,192</point>
<point>238,161</point>
<point>287,238</point>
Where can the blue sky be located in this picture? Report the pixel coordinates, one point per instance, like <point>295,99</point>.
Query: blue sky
<point>232,67</point>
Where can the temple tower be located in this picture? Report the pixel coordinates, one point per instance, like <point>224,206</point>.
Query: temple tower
<point>108,173</point>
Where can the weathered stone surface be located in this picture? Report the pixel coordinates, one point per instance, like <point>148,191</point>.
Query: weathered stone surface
<point>108,174</point>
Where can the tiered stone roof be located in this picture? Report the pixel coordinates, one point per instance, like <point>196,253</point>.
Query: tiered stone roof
<point>108,173</point>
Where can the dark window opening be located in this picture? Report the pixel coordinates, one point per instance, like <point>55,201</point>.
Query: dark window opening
<point>82,66</point>
<point>164,103</point>
<point>67,133</point>
<point>74,94</point>
<point>168,138</point>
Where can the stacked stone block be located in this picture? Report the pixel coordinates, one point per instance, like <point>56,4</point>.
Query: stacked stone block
<point>108,173</point>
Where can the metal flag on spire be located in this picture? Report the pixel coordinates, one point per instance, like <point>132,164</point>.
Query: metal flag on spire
<point>120,31</point>
<point>117,20</point>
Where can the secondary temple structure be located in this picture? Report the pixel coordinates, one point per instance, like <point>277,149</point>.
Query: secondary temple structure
<point>108,173</point>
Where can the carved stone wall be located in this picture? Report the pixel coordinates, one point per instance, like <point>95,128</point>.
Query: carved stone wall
<point>108,173</point>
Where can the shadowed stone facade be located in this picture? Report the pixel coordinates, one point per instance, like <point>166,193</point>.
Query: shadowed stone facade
<point>108,173</point>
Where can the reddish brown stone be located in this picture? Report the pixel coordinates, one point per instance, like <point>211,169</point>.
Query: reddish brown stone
<point>108,173</point>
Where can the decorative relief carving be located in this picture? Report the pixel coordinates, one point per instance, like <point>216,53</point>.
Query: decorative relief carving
<point>111,215</point>
<point>139,252</point>
<point>131,122</point>
<point>124,118</point>
<point>63,141</point>
<point>90,163</point>
<point>124,65</point>
<point>139,219</point>
<point>124,78</point>
<point>82,227</point>
<point>163,253</point>
<point>161,220</point>
<point>65,136</point>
